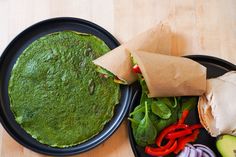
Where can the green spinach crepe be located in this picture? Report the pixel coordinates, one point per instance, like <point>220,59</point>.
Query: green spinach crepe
<point>55,93</point>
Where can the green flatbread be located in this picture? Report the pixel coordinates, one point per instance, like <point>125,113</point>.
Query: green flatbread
<point>55,93</point>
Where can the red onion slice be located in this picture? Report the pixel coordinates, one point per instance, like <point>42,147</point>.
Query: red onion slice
<point>185,152</point>
<point>196,150</point>
<point>193,153</point>
<point>205,149</point>
<point>205,155</point>
<point>199,152</point>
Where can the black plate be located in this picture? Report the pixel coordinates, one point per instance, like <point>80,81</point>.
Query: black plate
<point>7,61</point>
<point>215,67</point>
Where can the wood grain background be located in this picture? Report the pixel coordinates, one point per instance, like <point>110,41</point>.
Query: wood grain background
<point>200,27</point>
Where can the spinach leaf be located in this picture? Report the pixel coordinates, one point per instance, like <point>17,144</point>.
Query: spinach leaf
<point>175,102</point>
<point>146,131</point>
<point>154,118</point>
<point>161,109</point>
<point>166,122</point>
<point>169,101</point>
<point>187,103</point>
<point>144,86</point>
<point>138,109</point>
<point>137,116</point>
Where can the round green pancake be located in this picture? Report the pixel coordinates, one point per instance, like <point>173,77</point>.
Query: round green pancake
<point>55,93</point>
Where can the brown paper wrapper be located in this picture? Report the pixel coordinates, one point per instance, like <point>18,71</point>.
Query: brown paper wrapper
<point>171,76</point>
<point>118,61</point>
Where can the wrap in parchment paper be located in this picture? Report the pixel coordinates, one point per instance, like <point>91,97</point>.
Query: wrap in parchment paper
<point>118,61</point>
<point>171,76</point>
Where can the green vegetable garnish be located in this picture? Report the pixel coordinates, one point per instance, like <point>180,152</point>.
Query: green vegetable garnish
<point>162,123</point>
<point>105,72</point>
<point>187,103</point>
<point>146,132</point>
<point>161,109</point>
<point>137,116</point>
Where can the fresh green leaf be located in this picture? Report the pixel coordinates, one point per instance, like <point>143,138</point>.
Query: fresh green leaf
<point>133,61</point>
<point>154,118</point>
<point>105,72</point>
<point>187,103</point>
<point>175,102</point>
<point>144,86</point>
<point>137,116</point>
<point>146,131</point>
<point>134,121</point>
<point>138,109</point>
<point>166,122</point>
<point>161,109</point>
<point>169,101</point>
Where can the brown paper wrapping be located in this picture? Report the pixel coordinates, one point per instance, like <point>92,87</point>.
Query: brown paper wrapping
<point>171,76</point>
<point>118,61</point>
<point>165,75</point>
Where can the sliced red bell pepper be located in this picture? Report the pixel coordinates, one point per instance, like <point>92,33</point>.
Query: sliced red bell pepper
<point>184,116</point>
<point>167,130</point>
<point>178,134</point>
<point>184,140</point>
<point>136,69</point>
<point>168,144</point>
<point>153,152</point>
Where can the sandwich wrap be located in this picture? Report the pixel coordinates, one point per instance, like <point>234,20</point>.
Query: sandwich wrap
<point>118,61</point>
<point>165,75</point>
<point>171,76</point>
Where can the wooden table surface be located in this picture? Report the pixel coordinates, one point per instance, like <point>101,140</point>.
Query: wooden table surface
<point>199,27</point>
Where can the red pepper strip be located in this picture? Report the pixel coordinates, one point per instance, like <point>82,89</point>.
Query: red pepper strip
<point>195,126</point>
<point>167,146</point>
<point>167,130</point>
<point>184,116</point>
<point>178,134</point>
<point>153,152</point>
<point>184,140</point>
<point>136,69</point>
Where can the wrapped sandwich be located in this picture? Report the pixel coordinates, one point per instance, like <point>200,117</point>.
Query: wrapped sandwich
<point>169,75</point>
<point>165,75</point>
<point>118,61</point>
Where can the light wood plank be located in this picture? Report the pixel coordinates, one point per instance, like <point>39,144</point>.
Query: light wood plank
<point>199,27</point>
